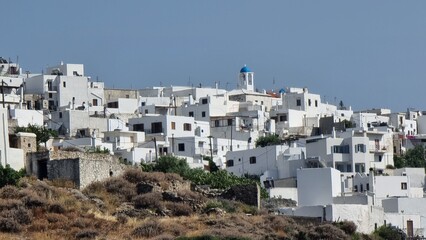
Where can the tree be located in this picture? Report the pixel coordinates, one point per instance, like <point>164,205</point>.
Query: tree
<point>412,158</point>
<point>348,124</point>
<point>170,164</point>
<point>268,140</point>
<point>42,133</point>
<point>212,165</point>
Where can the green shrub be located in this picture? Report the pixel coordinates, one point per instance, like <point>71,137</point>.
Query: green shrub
<point>389,233</point>
<point>213,204</point>
<point>170,164</point>
<point>268,140</point>
<point>9,176</point>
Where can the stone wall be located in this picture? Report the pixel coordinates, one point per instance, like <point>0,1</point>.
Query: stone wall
<point>114,94</point>
<point>68,169</point>
<point>31,161</point>
<point>82,168</point>
<point>248,194</point>
<point>97,170</point>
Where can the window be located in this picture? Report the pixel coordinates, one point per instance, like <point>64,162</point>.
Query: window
<point>367,187</point>
<point>316,103</point>
<point>229,163</point>
<point>298,102</point>
<point>200,144</point>
<point>49,85</point>
<point>216,123</point>
<point>380,158</point>
<point>360,148</point>
<point>127,96</point>
<point>204,101</point>
<point>64,84</point>
<point>404,186</point>
<point>203,114</point>
<point>229,122</point>
<point>181,147</point>
<point>361,188</point>
<point>340,149</point>
<point>50,95</point>
<point>309,102</point>
<point>356,188</point>
<point>283,118</point>
<point>261,102</point>
<point>173,125</point>
<point>60,114</point>
<point>252,160</point>
<point>143,104</point>
<point>191,114</point>
<point>138,127</point>
<point>95,102</point>
<point>112,104</point>
<point>146,111</point>
<point>186,127</point>
<point>156,127</point>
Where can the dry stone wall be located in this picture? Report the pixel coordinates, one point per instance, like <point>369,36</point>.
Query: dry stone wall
<point>82,168</point>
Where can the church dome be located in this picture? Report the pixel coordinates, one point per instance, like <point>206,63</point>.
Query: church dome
<point>245,69</point>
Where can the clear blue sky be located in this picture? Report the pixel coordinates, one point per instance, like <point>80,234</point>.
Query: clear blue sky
<point>366,53</point>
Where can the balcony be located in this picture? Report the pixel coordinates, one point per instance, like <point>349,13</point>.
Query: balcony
<point>377,149</point>
<point>154,131</point>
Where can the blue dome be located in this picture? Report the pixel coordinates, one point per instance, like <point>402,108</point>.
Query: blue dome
<point>245,69</point>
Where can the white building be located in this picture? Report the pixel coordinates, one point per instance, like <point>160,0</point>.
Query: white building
<point>66,85</point>
<point>354,151</point>
<point>12,156</point>
<point>269,159</point>
<point>77,123</point>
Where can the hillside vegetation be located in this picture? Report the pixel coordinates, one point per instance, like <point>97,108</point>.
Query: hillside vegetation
<point>145,205</point>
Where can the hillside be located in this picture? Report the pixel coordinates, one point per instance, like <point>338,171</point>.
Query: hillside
<point>141,205</point>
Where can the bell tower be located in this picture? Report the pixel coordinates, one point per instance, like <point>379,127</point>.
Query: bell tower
<point>246,79</point>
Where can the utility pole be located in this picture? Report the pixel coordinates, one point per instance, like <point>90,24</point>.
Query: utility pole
<point>211,148</point>
<point>173,143</point>
<point>232,124</point>
<point>156,153</point>
<point>2,92</point>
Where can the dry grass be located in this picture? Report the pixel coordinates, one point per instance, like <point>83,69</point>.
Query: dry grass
<point>39,210</point>
<point>179,209</point>
<point>62,183</point>
<point>151,200</point>
<point>9,192</point>
<point>148,229</point>
<point>133,175</point>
